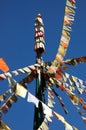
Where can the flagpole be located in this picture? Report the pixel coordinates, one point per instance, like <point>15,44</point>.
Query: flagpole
<point>39,49</point>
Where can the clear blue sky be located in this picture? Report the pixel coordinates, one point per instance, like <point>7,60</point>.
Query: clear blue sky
<point>17,48</point>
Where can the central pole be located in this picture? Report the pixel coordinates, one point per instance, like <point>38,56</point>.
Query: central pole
<point>39,48</point>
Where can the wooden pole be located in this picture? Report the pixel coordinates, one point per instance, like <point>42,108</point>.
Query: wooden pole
<point>39,48</point>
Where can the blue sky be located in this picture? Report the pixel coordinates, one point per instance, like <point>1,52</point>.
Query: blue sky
<point>17,48</point>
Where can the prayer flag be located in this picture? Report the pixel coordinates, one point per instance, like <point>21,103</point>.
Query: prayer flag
<point>3,66</point>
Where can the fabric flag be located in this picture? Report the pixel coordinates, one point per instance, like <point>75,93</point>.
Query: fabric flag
<point>8,104</point>
<point>70,4</point>
<point>43,126</point>
<point>67,28</point>
<point>69,127</point>
<point>64,39</point>
<point>76,61</point>
<point>3,126</point>
<point>33,99</point>
<point>59,58</point>
<point>66,34</point>
<point>64,44</point>
<point>11,81</point>
<point>20,90</point>
<point>67,22</point>
<point>47,110</point>
<point>84,119</point>
<point>3,66</point>
<point>80,81</point>
<point>67,75</point>
<point>4,108</point>
<point>27,70</point>
<point>59,117</point>
<point>2,76</point>
<point>22,70</point>
<point>39,35</point>
<point>48,118</point>
<point>50,97</point>
<point>2,97</point>
<point>61,102</point>
<point>62,51</point>
<point>13,98</point>
<point>69,10</point>
<point>69,18</point>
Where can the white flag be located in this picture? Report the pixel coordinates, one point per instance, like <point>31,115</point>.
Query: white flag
<point>33,99</point>
<point>20,90</point>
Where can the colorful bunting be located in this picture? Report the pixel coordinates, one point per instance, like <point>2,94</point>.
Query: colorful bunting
<point>67,23</point>
<point>50,97</point>
<point>27,70</point>
<point>53,74</point>
<point>66,124</point>
<point>76,61</point>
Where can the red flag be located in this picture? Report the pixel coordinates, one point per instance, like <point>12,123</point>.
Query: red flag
<point>3,66</point>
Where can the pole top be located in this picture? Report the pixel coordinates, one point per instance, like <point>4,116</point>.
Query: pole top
<point>39,35</point>
<point>39,15</point>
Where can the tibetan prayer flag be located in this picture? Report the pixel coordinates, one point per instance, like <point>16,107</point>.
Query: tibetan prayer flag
<point>20,90</point>
<point>67,22</point>
<point>67,28</point>
<point>2,97</point>
<point>61,50</point>
<point>70,4</point>
<point>59,117</point>
<point>33,99</point>
<point>64,44</point>
<point>69,10</point>
<point>3,66</point>
<point>66,34</point>
<point>4,108</point>
<point>12,98</point>
<point>3,126</point>
<point>47,110</point>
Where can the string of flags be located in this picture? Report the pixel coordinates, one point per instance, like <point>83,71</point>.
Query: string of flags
<point>27,70</point>
<point>75,61</point>
<point>52,73</point>
<point>3,126</point>
<point>67,23</point>
<point>77,100</point>
<point>65,37</point>
<point>51,102</point>
<point>19,90</point>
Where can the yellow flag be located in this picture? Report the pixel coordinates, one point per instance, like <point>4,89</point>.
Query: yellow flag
<point>20,90</point>
<point>2,97</point>
<point>66,34</point>
<point>3,126</point>
<point>69,10</point>
<point>62,50</point>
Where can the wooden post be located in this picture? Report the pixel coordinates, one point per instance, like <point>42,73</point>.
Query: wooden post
<point>39,48</point>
